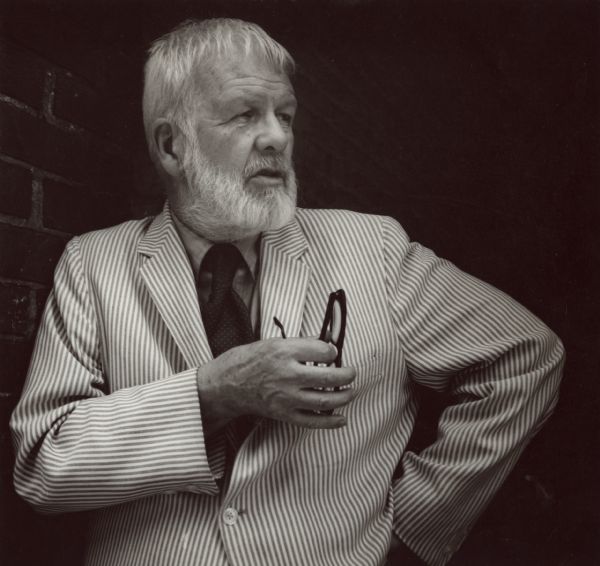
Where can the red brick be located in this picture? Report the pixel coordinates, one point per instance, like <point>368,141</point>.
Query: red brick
<point>15,190</point>
<point>15,310</point>
<point>15,355</point>
<point>28,255</point>
<point>75,156</point>
<point>80,209</point>
<point>22,74</point>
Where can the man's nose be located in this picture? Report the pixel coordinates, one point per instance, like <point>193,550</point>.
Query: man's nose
<point>273,136</point>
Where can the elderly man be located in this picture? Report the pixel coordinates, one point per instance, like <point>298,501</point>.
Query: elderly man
<point>163,393</point>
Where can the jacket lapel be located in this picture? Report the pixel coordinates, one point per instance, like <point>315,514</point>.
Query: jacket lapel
<point>168,276</point>
<point>284,278</point>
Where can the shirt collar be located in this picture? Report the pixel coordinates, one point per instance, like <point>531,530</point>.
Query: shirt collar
<point>196,247</point>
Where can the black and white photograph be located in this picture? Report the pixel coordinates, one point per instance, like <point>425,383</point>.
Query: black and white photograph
<point>299,283</point>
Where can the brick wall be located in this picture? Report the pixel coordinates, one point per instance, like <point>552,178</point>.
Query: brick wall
<point>60,174</point>
<point>65,168</point>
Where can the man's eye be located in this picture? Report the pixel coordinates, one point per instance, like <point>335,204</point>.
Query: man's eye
<point>246,115</point>
<point>286,118</point>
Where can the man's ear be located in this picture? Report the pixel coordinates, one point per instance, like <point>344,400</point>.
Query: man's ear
<point>168,143</point>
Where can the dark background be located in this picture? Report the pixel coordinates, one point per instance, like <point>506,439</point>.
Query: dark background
<point>476,124</point>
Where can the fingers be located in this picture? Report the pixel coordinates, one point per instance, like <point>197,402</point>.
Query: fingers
<point>313,420</point>
<point>311,350</point>
<point>325,400</point>
<point>314,376</point>
<point>267,378</point>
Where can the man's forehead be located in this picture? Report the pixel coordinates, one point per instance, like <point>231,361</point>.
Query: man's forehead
<point>237,76</point>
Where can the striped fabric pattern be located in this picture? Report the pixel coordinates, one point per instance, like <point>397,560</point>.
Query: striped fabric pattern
<point>110,419</point>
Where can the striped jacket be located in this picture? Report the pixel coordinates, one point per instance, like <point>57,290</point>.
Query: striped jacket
<point>110,420</point>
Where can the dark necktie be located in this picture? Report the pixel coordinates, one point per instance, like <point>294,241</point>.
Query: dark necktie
<point>225,316</point>
<point>227,324</point>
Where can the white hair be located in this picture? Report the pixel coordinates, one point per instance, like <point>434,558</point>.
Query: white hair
<point>174,59</point>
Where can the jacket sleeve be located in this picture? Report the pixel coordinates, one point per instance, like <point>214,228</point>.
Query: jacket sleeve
<point>78,447</point>
<point>502,367</point>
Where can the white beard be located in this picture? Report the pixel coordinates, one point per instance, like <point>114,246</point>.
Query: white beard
<point>217,205</point>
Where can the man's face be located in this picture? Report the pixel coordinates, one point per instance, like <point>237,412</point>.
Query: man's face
<point>238,162</point>
<point>245,111</point>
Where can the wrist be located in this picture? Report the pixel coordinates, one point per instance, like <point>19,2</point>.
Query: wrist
<point>214,410</point>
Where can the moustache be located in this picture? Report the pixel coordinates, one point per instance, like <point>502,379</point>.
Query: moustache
<point>272,166</point>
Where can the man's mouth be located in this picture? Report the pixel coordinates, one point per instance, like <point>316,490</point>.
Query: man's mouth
<point>272,173</point>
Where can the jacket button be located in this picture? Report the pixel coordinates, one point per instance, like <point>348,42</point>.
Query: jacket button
<point>230,516</point>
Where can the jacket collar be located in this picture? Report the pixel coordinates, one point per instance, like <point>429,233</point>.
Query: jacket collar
<point>168,276</point>
<point>289,240</point>
<point>284,277</point>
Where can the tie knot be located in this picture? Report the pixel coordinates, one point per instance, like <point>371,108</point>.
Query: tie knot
<point>225,316</point>
<point>222,260</point>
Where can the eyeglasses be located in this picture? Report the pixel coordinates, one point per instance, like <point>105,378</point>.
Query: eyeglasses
<point>333,331</point>
<point>334,323</point>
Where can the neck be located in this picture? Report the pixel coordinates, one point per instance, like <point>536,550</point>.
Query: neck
<point>196,245</point>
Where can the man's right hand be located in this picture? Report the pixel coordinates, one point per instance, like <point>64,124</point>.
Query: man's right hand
<point>269,378</point>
